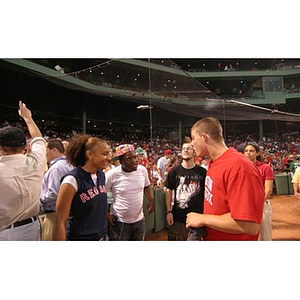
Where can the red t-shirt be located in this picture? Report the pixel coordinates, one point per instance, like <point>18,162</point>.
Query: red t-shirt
<point>233,184</point>
<point>265,171</point>
<point>145,162</point>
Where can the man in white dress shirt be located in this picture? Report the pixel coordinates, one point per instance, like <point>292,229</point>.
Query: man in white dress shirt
<point>21,180</point>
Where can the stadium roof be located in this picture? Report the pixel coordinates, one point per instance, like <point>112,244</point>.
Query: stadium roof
<point>161,83</point>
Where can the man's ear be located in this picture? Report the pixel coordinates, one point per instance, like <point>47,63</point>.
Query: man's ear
<point>204,136</point>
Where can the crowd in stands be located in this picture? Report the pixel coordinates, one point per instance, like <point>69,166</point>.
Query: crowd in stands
<point>276,148</point>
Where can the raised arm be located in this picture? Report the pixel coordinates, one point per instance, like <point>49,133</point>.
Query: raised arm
<point>25,113</point>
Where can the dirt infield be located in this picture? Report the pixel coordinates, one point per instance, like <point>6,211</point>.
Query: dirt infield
<point>285,220</point>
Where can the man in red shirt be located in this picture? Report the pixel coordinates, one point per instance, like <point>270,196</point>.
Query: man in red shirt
<point>143,161</point>
<point>234,194</point>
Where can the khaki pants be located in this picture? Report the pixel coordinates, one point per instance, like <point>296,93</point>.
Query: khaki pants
<point>28,232</point>
<point>48,222</point>
<point>266,223</point>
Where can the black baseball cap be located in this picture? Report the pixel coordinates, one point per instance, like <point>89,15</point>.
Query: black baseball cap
<point>12,137</point>
<point>240,148</point>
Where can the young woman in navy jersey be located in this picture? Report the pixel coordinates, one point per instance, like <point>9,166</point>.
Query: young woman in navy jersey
<point>82,200</point>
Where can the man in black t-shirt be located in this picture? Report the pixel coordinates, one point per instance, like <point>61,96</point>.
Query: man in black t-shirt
<point>184,183</point>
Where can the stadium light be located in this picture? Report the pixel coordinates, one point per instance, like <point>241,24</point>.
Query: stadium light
<point>143,107</point>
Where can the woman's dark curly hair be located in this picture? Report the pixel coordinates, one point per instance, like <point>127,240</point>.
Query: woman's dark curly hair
<point>79,144</point>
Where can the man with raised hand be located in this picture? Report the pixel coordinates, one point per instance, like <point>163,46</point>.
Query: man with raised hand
<point>21,180</point>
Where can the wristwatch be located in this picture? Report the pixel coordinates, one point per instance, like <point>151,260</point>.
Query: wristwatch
<point>169,211</point>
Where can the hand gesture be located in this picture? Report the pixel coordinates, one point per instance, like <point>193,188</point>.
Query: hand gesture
<point>24,112</point>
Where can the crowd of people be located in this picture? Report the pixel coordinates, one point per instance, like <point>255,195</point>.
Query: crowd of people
<point>85,187</point>
<point>277,147</point>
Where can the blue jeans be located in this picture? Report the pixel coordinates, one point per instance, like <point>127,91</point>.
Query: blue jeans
<point>127,232</point>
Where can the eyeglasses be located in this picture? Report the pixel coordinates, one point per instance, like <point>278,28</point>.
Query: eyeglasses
<point>188,149</point>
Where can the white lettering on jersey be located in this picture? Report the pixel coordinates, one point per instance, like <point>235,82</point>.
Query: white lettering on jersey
<point>208,190</point>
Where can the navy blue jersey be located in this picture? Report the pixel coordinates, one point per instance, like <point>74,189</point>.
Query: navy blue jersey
<point>87,219</point>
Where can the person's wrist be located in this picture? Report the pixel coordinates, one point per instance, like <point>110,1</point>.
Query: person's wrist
<point>169,211</point>
<point>28,119</point>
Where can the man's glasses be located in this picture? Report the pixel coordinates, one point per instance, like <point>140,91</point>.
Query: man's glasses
<point>188,149</point>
